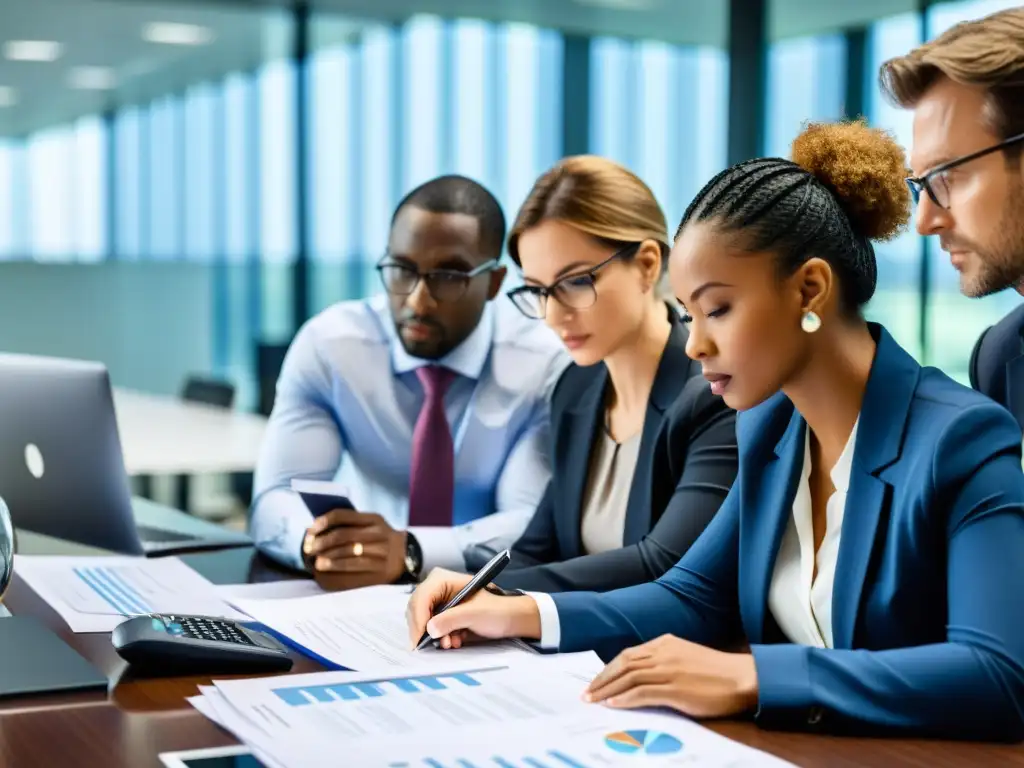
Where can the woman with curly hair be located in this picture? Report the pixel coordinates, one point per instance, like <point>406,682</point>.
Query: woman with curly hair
<point>869,550</point>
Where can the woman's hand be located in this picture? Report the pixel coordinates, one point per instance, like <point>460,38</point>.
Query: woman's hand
<point>484,615</point>
<point>669,672</point>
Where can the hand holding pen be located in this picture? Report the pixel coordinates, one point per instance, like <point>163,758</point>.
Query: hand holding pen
<point>448,607</point>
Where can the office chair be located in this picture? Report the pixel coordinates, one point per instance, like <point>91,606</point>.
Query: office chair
<point>199,389</point>
<point>209,392</point>
<point>269,360</point>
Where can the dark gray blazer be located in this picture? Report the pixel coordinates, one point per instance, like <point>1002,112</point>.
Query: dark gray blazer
<point>686,464</point>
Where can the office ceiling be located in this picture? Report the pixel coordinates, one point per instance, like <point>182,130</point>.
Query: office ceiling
<point>108,34</point>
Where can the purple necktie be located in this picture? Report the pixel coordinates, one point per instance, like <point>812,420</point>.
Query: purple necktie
<point>432,476</point>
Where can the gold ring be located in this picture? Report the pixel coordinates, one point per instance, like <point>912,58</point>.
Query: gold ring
<point>357,549</point>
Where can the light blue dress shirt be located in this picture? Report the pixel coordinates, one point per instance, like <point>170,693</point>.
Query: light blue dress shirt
<point>347,401</point>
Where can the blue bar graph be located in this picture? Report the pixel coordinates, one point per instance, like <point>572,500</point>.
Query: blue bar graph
<point>301,696</point>
<point>561,760</point>
<point>564,759</point>
<point>114,589</point>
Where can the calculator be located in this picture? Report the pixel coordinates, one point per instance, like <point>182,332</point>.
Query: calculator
<point>197,645</point>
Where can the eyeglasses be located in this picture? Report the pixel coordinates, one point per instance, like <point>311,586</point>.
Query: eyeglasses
<point>936,182</point>
<point>576,291</point>
<point>443,284</point>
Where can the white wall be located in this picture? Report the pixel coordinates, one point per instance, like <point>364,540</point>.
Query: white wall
<point>149,323</point>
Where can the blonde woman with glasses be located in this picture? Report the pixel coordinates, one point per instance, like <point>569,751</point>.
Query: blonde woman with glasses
<point>642,454</point>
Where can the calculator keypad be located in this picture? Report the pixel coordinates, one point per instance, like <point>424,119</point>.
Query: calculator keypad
<point>198,628</point>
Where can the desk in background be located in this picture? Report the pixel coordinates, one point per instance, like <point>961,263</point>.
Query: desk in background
<point>141,718</point>
<point>168,436</point>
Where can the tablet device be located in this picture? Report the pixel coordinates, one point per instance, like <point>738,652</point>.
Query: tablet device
<point>321,496</point>
<point>34,661</point>
<point>217,757</point>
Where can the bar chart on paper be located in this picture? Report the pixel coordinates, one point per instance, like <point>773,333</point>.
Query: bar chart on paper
<point>586,748</point>
<point>301,696</point>
<point>96,593</point>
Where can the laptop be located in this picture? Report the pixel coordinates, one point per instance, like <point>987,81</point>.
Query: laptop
<point>61,469</point>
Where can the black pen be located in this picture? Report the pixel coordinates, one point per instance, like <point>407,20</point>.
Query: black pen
<point>483,577</point>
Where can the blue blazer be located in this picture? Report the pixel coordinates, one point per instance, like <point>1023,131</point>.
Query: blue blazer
<point>927,613</point>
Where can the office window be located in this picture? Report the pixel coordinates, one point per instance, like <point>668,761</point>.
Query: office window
<point>9,246</point>
<point>424,100</point>
<point>942,16</point>
<point>333,233</point>
<point>128,232</point>
<point>164,149</point>
<point>241,168</point>
<point>897,301</point>
<point>806,83</point>
<point>334,172</point>
<point>954,321</point>
<point>50,191</point>
<point>202,175</point>
<point>277,160</point>
<point>473,100</point>
<point>378,78</point>
<point>91,189</point>
<point>278,240</point>
<point>613,108</point>
<point>530,108</point>
<point>644,97</point>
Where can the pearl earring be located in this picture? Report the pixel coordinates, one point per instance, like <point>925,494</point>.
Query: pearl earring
<point>810,322</point>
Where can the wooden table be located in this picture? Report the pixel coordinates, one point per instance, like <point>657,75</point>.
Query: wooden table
<point>141,718</point>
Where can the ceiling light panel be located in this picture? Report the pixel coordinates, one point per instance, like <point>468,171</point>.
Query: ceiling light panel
<point>32,50</point>
<point>172,33</point>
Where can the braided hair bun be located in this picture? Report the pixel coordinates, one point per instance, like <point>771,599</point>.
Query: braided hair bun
<point>864,168</point>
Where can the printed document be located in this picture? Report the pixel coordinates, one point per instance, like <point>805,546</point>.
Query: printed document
<point>96,593</point>
<point>524,714</point>
<point>287,589</point>
<point>363,629</point>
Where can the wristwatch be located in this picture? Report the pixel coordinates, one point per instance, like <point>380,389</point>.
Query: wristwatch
<point>413,559</point>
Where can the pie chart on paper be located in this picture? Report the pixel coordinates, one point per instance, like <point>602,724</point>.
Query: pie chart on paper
<point>647,742</point>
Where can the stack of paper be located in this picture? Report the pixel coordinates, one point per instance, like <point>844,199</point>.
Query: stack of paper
<point>95,594</point>
<point>522,715</point>
<point>364,629</point>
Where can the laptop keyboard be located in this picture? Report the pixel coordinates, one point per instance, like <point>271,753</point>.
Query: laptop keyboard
<point>157,535</point>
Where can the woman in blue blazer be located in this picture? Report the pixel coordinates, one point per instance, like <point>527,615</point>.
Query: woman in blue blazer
<point>870,550</point>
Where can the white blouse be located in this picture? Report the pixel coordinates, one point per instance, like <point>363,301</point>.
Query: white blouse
<point>799,599</point>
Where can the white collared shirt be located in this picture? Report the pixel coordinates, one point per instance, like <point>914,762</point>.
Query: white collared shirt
<point>800,599</point>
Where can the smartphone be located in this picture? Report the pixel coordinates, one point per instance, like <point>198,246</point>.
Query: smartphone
<point>321,496</point>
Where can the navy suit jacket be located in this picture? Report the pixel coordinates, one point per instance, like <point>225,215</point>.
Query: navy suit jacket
<point>686,464</point>
<point>997,363</point>
<point>926,608</point>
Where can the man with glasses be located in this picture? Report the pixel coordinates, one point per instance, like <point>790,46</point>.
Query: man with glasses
<point>966,88</point>
<point>429,404</point>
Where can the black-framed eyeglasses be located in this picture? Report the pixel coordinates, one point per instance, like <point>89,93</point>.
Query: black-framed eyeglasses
<point>443,284</point>
<point>936,182</point>
<point>576,291</point>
